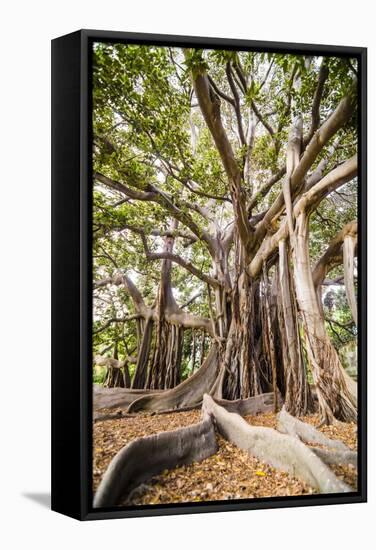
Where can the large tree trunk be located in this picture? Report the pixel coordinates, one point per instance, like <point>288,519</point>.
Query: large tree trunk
<point>164,371</point>
<point>241,359</point>
<point>334,396</point>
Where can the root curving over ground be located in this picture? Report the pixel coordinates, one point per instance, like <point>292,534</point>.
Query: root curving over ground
<point>219,454</point>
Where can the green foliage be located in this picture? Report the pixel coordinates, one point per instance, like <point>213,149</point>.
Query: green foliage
<point>149,133</point>
<point>99,375</point>
<point>339,324</point>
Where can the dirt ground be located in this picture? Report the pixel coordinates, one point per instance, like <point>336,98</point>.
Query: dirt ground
<point>229,474</point>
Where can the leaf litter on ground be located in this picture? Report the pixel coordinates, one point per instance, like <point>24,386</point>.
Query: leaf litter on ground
<point>229,474</point>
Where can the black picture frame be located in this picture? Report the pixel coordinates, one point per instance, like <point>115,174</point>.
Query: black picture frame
<point>72,287</point>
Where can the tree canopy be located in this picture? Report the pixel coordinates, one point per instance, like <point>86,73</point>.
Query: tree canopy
<point>225,198</point>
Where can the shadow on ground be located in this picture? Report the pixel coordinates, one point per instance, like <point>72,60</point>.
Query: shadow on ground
<point>43,499</point>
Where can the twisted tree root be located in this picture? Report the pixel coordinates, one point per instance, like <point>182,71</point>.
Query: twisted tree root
<point>290,425</point>
<point>146,456</point>
<point>112,398</point>
<point>336,452</point>
<point>281,451</point>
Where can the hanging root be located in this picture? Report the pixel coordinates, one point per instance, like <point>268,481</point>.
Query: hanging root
<point>187,394</point>
<point>281,451</point>
<point>146,456</point>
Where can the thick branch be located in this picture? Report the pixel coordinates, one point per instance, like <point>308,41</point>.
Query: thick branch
<point>319,140</point>
<point>183,263</point>
<point>187,320</point>
<point>333,254</point>
<point>210,108</point>
<point>164,199</point>
<point>309,201</point>
<point>236,103</point>
<point>116,320</point>
<point>103,361</point>
<point>335,178</point>
<point>124,189</point>
<point>323,75</point>
<point>119,279</point>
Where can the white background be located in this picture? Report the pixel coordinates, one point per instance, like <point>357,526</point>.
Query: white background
<point>27,28</point>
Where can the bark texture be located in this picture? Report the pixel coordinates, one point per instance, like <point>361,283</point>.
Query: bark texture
<point>187,394</point>
<point>278,450</point>
<point>147,456</point>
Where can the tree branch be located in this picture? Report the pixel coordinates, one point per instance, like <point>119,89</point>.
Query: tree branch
<point>121,278</point>
<point>220,93</point>
<point>210,108</point>
<point>183,263</point>
<point>321,137</point>
<point>178,260</point>
<point>315,112</point>
<point>335,178</point>
<point>310,200</point>
<point>116,320</point>
<point>264,190</point>
<point>124,189</point>
<point>236,103</point>
<point>167,201</point>
<point>191,300</point>
<point>333,255</point>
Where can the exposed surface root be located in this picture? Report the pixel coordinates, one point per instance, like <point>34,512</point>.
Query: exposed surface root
<point>187,394</point>
<point>111,436</point>
<point>278,450</point>
<point>252,405</point>
<point>231,473</point>
<point>291,425</point>
<point>334,452</point>
<point>111,398</point>
<point>142,458</point>
<point>338,458</point>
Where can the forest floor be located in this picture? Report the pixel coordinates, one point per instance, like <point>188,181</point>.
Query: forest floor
<point>229,474</point>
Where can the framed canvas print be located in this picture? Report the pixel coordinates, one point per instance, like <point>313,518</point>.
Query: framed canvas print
<point>209,274</point>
